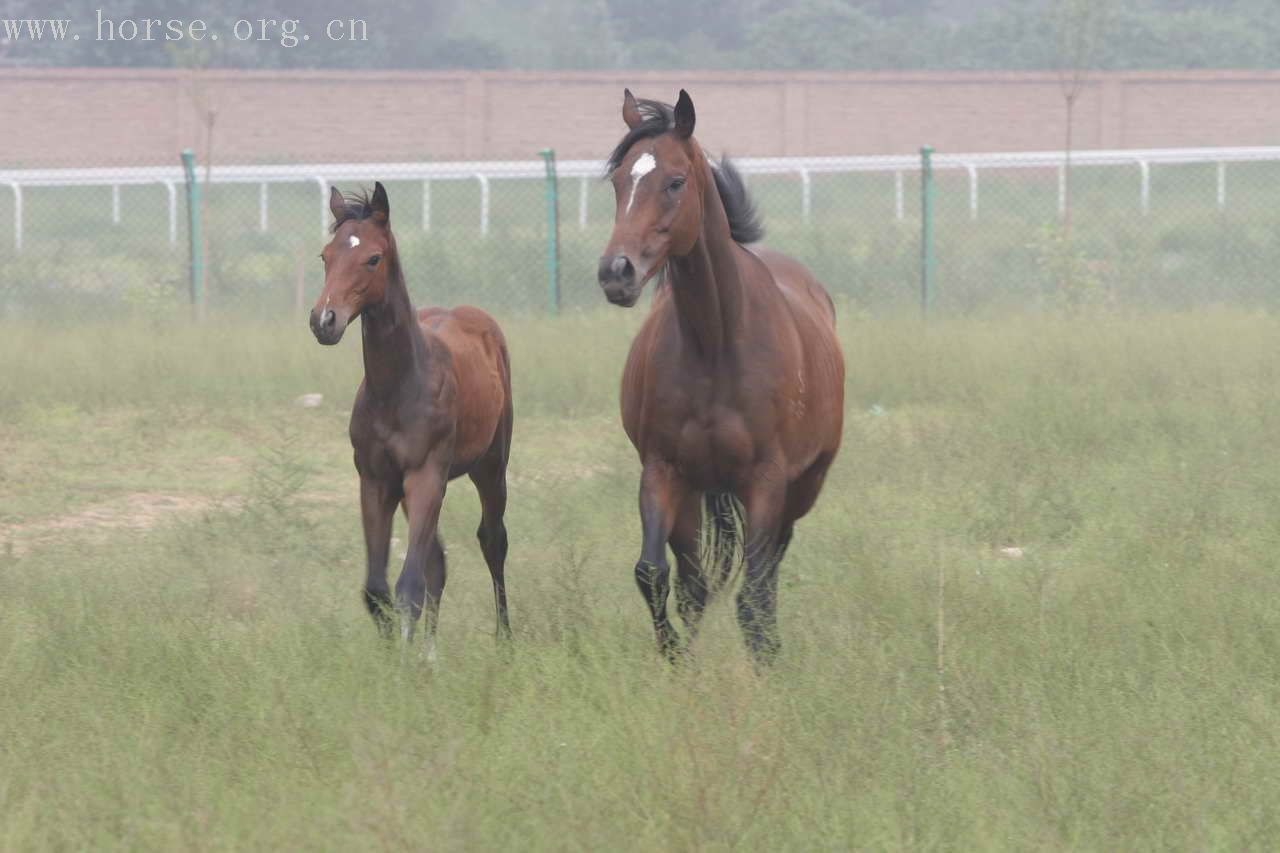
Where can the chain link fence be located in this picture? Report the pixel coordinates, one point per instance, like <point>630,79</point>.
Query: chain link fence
<point>1142,230</point>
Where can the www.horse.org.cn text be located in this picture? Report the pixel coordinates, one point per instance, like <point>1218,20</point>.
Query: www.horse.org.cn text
<point>284,32</point>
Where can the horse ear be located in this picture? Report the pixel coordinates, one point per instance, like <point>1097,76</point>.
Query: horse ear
<point>631,110</point>
<point>380,205</point>
<point>337,204</point>
<point>684,115</point>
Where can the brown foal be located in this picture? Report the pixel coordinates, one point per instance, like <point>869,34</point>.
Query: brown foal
<point>435,404</point>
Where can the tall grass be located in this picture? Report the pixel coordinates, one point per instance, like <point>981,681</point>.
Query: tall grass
<point>212,681</point>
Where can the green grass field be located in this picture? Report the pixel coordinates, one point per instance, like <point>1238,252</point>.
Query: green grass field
<point>186,662</point>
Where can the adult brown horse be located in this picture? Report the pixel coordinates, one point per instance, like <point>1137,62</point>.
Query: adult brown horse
<point>734,389</point>
<point>435,404</point>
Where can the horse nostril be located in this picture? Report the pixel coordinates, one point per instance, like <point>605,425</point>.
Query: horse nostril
<point>616,270</point>
<point>327,319</point>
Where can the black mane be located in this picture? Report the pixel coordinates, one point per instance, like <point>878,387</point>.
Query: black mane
<point>658,118</point>
<point>358,207</point>
<point>744,220</point>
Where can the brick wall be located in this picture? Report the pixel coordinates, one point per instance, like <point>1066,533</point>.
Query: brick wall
<point>81,117</point>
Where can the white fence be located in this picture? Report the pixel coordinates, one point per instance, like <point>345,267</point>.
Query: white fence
<point>584,171</point>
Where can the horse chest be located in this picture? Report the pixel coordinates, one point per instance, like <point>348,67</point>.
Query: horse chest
<point>385,448</point>
<point>712,446</point>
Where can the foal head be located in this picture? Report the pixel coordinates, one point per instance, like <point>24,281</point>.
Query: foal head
<point>357,262</point>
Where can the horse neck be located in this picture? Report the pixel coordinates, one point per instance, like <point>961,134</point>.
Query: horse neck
<point>706,283</point>
<point>393,346</point>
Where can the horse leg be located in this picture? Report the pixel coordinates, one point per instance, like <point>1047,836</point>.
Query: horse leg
<point>758,599</point>
<point>377,513</point>
<point>491,483</point>
<point>661,494</point>
<point>691,586</point>
<point>771,513</point>
<point>758,606</point>
<point>766,541</point>
<point>436,573</point>
<point>784,540</point>
<point>422,579</point>
<point>758,602</point>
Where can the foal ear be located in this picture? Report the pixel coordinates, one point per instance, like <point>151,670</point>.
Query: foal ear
<point>379,204</point>
<point>631,110</point>
<point>337,204</point>
<point>684,115</point>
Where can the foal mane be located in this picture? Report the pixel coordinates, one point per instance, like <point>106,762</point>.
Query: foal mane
<point>659,118</point>
<point>358,207</point>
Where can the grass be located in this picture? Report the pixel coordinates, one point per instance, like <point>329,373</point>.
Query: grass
<point>207,678</point>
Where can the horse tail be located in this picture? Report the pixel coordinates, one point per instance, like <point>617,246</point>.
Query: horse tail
<point>723,540</point>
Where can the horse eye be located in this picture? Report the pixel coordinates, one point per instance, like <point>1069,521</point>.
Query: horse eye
<point>373,261</point>
<point>676,183</point>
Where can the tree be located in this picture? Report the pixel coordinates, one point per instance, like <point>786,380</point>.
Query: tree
<point>1077,27</point>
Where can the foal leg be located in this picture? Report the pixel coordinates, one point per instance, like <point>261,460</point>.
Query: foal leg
<point>377,512</point>
<point>436,572</point>
<point>422,579</point>
<point>491,483</point>
<point>661,494</point>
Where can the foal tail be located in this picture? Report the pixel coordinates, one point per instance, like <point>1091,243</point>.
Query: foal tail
<point>508,407</point>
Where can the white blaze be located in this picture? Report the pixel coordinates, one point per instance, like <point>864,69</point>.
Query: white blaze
<point>355,241</point>
<point>643,165</point>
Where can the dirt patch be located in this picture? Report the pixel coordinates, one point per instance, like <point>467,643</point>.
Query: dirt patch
<point>140,511</point>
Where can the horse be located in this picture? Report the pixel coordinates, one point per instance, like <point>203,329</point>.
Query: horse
<point>435,403</point>
<point>733,391</point>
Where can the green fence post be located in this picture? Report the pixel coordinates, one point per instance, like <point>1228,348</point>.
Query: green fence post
<point>927,260</point>
<point>553,230</point>
<point>196,238</point>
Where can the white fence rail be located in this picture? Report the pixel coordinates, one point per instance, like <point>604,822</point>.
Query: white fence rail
<point>804,168</point>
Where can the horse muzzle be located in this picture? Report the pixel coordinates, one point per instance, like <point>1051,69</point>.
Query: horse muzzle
<point>617,277</point>
<point>327,326</point>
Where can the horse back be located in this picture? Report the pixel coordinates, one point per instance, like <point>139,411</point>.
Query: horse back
<point>482,370</point>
